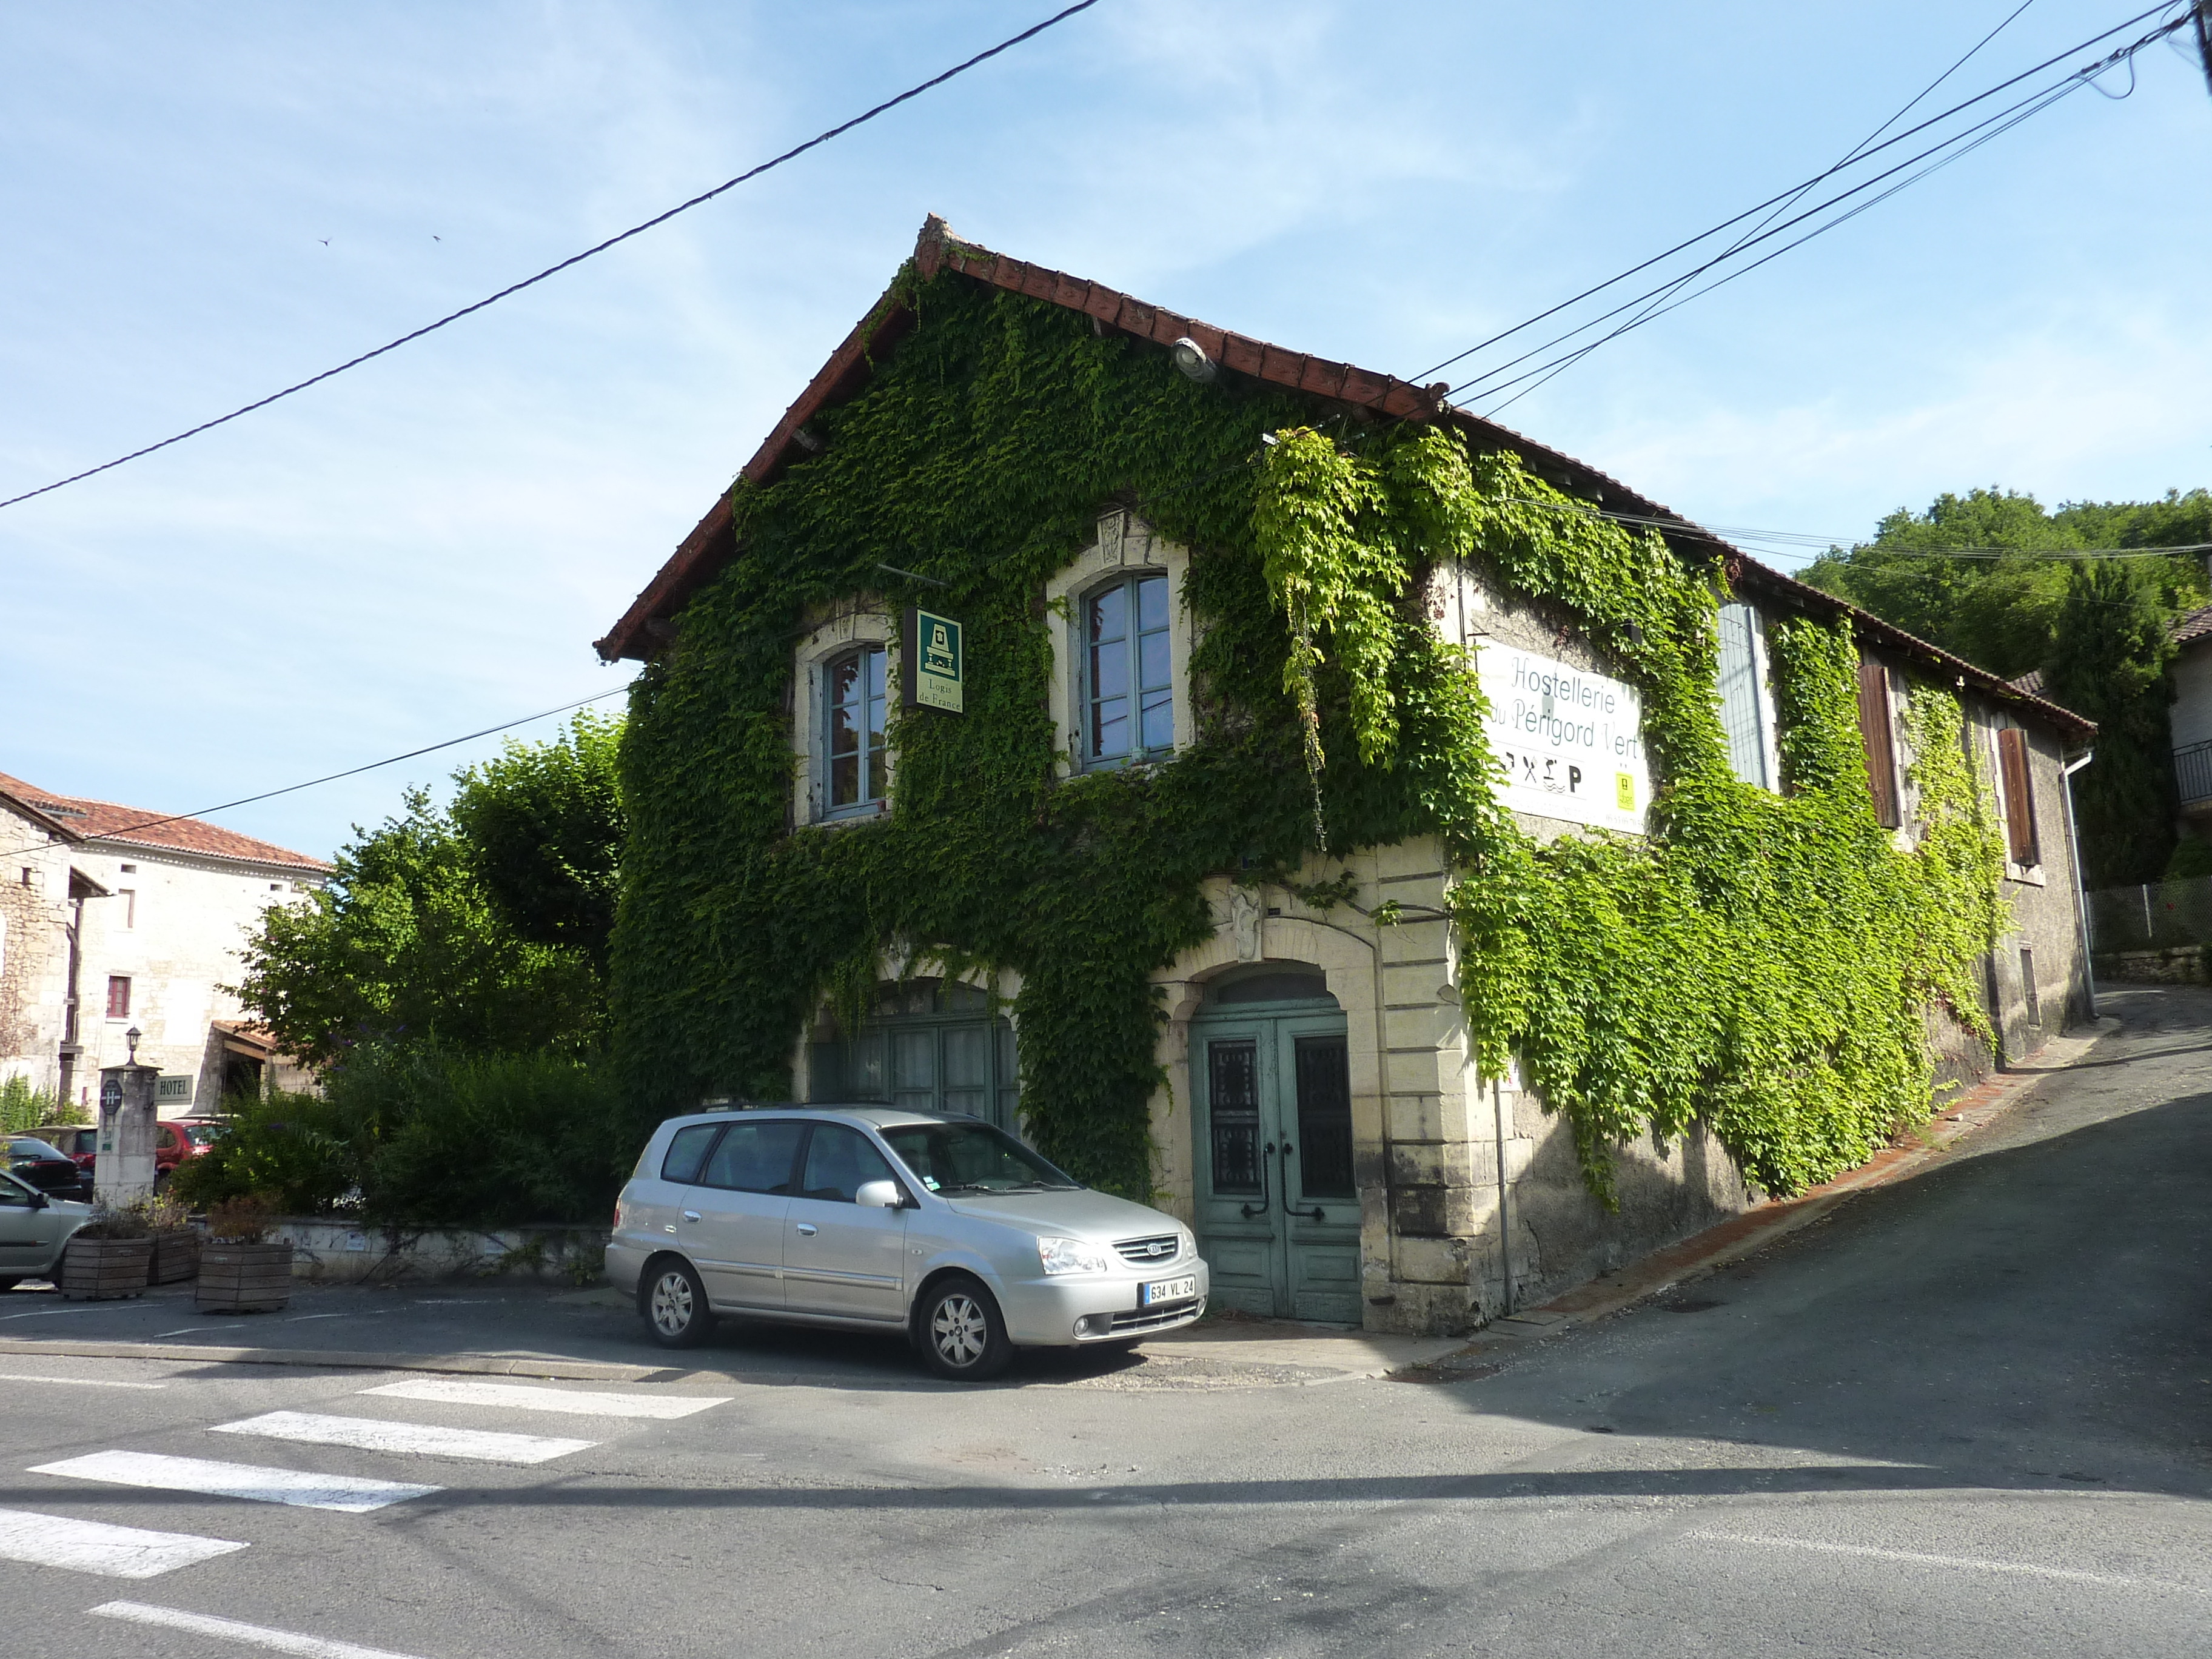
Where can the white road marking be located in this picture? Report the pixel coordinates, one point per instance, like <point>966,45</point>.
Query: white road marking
<point>1916,1558</point>
<point>526,1397</point>
<point>409,1439</point>
<point>76,1382</point>
<point>54,1541</point>
<point>259,1636</point>
<point>194,1330</point>
<point>261,1486</point>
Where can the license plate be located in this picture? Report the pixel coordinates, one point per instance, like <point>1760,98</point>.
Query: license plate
<point>1168,1290</point>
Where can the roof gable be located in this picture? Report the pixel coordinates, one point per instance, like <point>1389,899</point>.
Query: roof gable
<point>649,621</point>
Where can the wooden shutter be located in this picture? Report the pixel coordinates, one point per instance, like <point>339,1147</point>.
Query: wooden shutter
<point>1880,746</point>
<point>2020,843</point>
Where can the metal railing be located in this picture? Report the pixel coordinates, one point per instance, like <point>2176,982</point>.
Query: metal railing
<point>2192,772</point>
<point>2152,916</point>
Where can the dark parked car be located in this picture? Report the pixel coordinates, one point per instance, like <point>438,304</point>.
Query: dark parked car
<point>47,1168</point>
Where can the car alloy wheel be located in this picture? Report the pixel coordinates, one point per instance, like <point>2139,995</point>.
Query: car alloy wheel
<point>962,1336</point>
<point>676,1306</point>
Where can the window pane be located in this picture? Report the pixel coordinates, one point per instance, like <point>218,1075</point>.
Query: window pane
<point>1742,708</point>
<point>1159,721</point>
<point>1152,661</point>
<point>838,1161</point>
<point>1109,729</point>
<point>1324,1119</point>
<point>1110,670</point>
<point>845,780</point>
<point>754,1157</point>
<point>687,1150</point>
<point>1152,603</point>
<point>1110,615</point>
<point>1233,1109</point>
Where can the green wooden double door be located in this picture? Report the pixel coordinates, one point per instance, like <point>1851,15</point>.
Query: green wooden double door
<point>1277,1203</point>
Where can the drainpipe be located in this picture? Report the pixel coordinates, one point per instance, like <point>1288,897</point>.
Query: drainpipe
<point>2067,769</point>
<point>1504,1221</point>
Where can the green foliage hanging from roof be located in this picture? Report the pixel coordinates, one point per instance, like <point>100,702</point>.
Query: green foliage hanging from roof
<point>1763,963</point>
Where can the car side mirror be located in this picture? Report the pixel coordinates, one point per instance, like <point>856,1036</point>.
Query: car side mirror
<point>39,1201</point>
<point>879,1196</point>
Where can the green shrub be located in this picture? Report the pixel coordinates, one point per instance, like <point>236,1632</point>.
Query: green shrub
<point>22,1107</point>
<point>304,1153</point>
<point>2192,858</point>
<point>409,1135</point>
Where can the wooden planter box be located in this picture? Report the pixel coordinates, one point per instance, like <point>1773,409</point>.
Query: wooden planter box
<point>176,1255</point>
<point>243,1277</point>
<point>99,1269</point>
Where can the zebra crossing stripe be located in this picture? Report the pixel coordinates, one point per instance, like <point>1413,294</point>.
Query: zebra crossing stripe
<point>406,1439</point>
<point>295,1487</point>
<point>54,1541</point>
<point>528,1397</point>
<point>259,1636</point>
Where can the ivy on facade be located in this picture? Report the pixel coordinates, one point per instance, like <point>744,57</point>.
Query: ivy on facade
<point>1761,963</point>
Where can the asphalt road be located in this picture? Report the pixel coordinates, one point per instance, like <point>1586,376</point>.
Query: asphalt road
<point>1966,1414</point>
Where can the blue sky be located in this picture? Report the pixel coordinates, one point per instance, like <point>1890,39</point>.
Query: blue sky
<point>205,202</point>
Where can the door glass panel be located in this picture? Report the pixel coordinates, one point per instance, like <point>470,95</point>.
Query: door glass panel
<point>1324,1118</point>
<point>838,1161</point>
<point>687,1151</point>
<point>914,1068</point>
<point>967,1063</point>
<point>1233,1107</point>
<point>754,1157</point>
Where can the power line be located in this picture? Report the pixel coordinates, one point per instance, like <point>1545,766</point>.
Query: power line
<point>350,772</point>
<point>791,154</point>
<point>1794,191</point>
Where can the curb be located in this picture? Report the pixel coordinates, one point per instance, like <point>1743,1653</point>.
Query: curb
<point>467,1365</point>
<point>1754,1230</point>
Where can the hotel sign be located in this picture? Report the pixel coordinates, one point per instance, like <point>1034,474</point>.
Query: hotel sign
<point>933,664</point>
<point>1569,745</point>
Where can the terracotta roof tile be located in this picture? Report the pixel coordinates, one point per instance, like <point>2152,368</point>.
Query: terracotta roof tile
<point>101,820</point>
<point>2193,626</point>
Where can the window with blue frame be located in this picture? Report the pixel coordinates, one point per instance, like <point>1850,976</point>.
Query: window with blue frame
<point>1127,701</point>
<point>857,769</point>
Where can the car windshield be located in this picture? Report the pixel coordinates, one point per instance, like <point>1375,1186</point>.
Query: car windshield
<point>201,1134</point>
<point>973,1157</point>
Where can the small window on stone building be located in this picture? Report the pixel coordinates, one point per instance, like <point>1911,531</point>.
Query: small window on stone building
<point>856,764</point>
<point>128,869</point>
<point>2027,985</point>
<point>1747,713</point>
<point>2021,844</point>
<point>118,996</point>
<point>1877,733</point>
<point>1126,701</point>
<point>130,897</point>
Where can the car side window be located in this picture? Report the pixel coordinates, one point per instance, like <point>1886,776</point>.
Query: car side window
<point>754,1157</point>
<point>687,1151</point>
<point>13,1192</point>
<point>838,1161</point>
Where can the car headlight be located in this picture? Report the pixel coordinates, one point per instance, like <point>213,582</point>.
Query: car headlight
<point>1073,1256</point>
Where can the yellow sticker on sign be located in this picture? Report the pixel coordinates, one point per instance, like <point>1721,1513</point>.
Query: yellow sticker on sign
<point>1624,791</point>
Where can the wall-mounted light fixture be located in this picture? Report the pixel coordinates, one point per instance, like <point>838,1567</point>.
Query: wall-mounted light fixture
<point>1191,359</point>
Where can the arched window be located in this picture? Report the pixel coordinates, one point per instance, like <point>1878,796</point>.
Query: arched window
<point>856,766</point>
<point>1127,694</point>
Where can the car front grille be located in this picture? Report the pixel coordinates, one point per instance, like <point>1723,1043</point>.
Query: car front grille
<point>1155,1251</point>
<point>1150,1319</point>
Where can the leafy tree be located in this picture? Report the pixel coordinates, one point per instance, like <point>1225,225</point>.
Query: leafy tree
<point>410,940</point>
<point>2108,663</point>
<point>544,825</point>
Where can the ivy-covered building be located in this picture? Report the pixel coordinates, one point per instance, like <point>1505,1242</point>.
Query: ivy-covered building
<point>1429,867</point>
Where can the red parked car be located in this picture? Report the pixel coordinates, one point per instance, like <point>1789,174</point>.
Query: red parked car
<point>174,1142</point>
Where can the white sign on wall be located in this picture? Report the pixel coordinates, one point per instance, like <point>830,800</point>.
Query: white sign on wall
<point>1569,745</point>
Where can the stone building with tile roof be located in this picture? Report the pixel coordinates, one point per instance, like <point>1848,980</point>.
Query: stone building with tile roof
<point>116,919</point>
<point>1429,1196</point>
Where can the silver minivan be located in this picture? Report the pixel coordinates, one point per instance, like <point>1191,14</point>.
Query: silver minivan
<point>943,1228</point>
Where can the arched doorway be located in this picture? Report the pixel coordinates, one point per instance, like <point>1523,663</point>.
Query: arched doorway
<point>929,1045</point>
<point>1277,1207</point>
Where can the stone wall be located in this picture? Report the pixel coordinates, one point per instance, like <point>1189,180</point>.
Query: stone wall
<point>343,1253</point>
<point>2176,966</point>
<point>34,952</point>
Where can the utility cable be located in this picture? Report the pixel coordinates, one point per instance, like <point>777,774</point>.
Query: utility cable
<point>350,772</point>
<point>1783,195</point>
<point>1656,306</point>
<point>1998,124</point>
<point>791,154</point>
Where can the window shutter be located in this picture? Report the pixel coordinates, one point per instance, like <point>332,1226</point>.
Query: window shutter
<point>2020,843</point>
<point>1880,746</point>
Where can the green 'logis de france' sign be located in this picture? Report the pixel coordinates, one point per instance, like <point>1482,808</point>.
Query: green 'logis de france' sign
<point>935,664</point>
